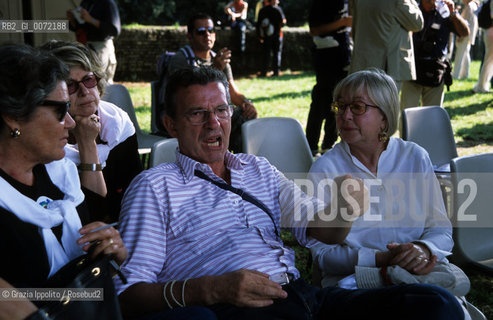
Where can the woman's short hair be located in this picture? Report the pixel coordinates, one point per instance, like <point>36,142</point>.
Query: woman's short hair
<point>183,78</point>
<point>75,54</point>
<point>27,77</point>
<point>379,87</point>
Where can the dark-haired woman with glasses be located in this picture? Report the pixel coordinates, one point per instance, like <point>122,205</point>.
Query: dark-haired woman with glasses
<point>103,144</point>
<point>406,225</point>
<point>42,207</point>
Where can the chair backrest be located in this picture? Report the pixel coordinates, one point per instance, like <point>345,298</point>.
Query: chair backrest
<point>154,99</point>
<point>119,95</point>
<point>430,128</point>
<point>281,140</point>
<point>472,178</point>
<point>163,151</point>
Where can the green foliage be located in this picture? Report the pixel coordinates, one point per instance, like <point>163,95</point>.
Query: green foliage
<point>171,12</point>
<point>147,12</point>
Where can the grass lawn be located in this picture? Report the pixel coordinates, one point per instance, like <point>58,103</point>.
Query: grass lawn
<point>290,95</point>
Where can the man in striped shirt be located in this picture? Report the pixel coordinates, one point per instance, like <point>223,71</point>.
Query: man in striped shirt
<point>195,239</point>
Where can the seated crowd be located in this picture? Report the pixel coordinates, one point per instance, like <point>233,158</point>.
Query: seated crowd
<point>200,238</point>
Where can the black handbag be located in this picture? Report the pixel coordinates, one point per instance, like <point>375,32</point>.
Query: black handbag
<point>81,273</point>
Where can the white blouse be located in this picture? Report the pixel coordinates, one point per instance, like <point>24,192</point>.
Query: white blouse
<point>406,205</point>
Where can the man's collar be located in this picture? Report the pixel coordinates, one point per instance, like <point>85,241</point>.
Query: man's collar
<point>188,165</point>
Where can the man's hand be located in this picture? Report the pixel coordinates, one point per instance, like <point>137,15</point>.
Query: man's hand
<point>415,258</point>
<point>352,201</point>
<point>246,288</point>
<point>85,15</point>
<point>450,4</point>
<point>352,196</point>
<point>71,18</point>
<point>222,58</point>
<point>249,111</point>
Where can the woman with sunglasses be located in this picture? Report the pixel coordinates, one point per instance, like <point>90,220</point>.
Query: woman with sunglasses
<point>42,207</point>
<point>407,224</point>
<point>103,144</point>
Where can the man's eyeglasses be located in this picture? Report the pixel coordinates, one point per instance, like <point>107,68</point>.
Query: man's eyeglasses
<point>200,116</point>
<point>61,107</point>
<point>89,81</point>
<point>202,30</point>
<point>357,107</point>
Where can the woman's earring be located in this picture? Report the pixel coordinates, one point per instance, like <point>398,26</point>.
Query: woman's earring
<point>15,133</point>
<point>382,137</point>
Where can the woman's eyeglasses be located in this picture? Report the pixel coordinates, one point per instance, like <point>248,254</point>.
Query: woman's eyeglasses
<point>89,81</point>
<point>202,30</point>
<point>357,107</point>
<point>61,107</point>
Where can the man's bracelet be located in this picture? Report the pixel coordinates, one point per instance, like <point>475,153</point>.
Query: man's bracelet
<point>90,167</point>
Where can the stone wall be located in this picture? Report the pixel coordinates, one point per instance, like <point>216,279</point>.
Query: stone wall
<point>137,50</point>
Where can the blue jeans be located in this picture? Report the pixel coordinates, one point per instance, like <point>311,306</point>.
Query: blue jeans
<point>417,302</point>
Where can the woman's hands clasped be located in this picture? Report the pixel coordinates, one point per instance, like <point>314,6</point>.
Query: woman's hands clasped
<point>413,257</point>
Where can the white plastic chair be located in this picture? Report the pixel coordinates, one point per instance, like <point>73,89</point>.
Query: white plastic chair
<point>430,127</point>
<point>281,140</point>
<point>472,177</point>
<point>163,151</point>
<point>119,95</point>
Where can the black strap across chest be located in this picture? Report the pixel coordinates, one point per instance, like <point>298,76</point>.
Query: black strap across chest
<point>243,194</point>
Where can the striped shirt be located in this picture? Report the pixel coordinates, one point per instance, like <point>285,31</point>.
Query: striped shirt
<point>177,226</point>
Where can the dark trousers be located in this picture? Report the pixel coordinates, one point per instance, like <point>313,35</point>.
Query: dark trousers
<point>329,67</point>
<point>417,302</point>
<point>187,313</point>
<point>272,49</point>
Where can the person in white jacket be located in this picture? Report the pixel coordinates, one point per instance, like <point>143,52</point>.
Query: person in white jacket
<point>487,68</point>
<point>463,45</point>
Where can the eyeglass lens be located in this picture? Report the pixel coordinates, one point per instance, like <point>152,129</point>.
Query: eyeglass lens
<point>89,81</point>
<point>201,116</point>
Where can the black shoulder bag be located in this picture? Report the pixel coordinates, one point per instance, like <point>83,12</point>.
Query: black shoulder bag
<point>82,273</point>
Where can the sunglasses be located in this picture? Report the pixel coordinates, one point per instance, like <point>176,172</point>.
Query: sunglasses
<point>61,107</point>
<point>89,81</point>
<point>202,30</point>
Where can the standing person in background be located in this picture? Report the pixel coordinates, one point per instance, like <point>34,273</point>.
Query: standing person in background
<point>96,23</point>
<point>487,68</point>
<point>382,36</point>
<point>329,22</point>
<point>260,5</point>
<point>237,11</point>
<point>463,44</point>
<point>271,19</point>
<point>431,48</point>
